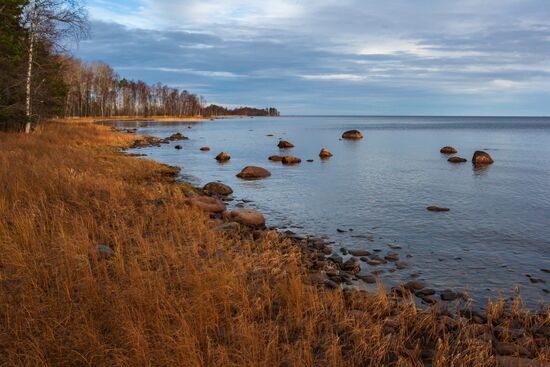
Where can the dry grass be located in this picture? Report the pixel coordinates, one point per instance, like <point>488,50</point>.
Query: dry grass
<point>177,293</point>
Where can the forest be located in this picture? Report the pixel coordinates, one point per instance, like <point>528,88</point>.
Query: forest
<point>39,80</point>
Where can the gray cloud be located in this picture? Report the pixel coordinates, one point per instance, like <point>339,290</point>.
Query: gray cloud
<point>347,56</point>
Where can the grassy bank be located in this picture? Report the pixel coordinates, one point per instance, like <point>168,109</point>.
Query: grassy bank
<point>176,292</point>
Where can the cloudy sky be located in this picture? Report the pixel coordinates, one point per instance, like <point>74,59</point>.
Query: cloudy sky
<point>392,57</point>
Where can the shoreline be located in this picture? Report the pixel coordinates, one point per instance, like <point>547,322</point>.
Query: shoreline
<point>225,289</point>
<point>338,268</point>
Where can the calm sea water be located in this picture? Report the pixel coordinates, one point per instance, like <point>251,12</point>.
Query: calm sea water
<point>377,190</point>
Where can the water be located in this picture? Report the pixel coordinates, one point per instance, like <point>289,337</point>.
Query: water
<point>498,229</point>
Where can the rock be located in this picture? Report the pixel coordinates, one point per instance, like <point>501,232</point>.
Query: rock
<point>359,253</point>
<point>223,157</point>
<point>392,256</point>
<point>283,144</point>
<point>291,160</point>
<point>276,158</point>
<point>253,172</point>
<point>105,252</point>
<point>331,284</point>
<point>146,141</point>
<point>227,227</point>
<point>401,265</point>
<point>481,157</point>
<point>339,230</point>
<point>177,136</point>
<point>352,266</point>
<point>425,292</point>
<point>352,134</point>
<point>325,153</point>
<point>217,188</point>
<point>430,300</point>
<point>414,285</point>
<point>367,278</point>
<point>536,280</point>
<point>545,270</point>
<point>248,217</point>
<point>337,259</point>
<point>448,150</point>
<point>508,361</point>
<point>205,149</point>
<point>457,160</point>
<point>178,147</point>
<point>208,204</point>
<point>310,160</point>
<point>449,295</point>
<point>437,209</point>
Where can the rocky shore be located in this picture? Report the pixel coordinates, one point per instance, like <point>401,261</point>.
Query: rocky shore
<point>517,339</point>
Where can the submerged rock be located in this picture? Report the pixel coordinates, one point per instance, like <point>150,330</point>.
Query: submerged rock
<point>205,149</point>
<point>359,253</point>
<point>291,160</point>
<point>178,147</point>
<point>448,150</point>
<point>481,157</point>
<point>283,144</point>
<point>248,217</point>
<point>217,188</point>
<point>223,157</point>
<point>437,209</point>
<point>352,134</point>
<point>325,153</point>
<point>457,160</point>
<point>253,172</point>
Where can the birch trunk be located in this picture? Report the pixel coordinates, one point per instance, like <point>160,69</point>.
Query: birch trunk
<point>34,20</point>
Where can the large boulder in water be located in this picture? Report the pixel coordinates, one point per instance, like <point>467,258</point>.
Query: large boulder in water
<point>248,217</point>
<point>208,204</point>
<point>223,157</point>
<point>352,134</point>
<point>448,150</point>
<point>481,157</point>
<point>217,188</point>
<point>253,172</point>
<point>289,159</point>
<point>283,144</point>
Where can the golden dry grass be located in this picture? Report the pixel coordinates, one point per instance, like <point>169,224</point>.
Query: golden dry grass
<point>178,293</point>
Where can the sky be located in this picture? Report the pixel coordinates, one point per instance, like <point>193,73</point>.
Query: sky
<point>368,57</point>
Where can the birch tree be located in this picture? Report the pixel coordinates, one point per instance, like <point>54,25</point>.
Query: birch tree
<point>51,22</point>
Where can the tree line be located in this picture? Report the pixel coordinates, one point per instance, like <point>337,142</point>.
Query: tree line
<point>95,90</point>
<point>39,81</point>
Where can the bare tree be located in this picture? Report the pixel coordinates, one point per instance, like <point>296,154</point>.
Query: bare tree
<point>52,22</point>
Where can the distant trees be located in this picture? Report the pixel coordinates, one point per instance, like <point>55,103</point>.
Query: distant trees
<point>95,90</point>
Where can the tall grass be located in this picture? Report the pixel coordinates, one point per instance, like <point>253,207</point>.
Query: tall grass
<point>177,293</point>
